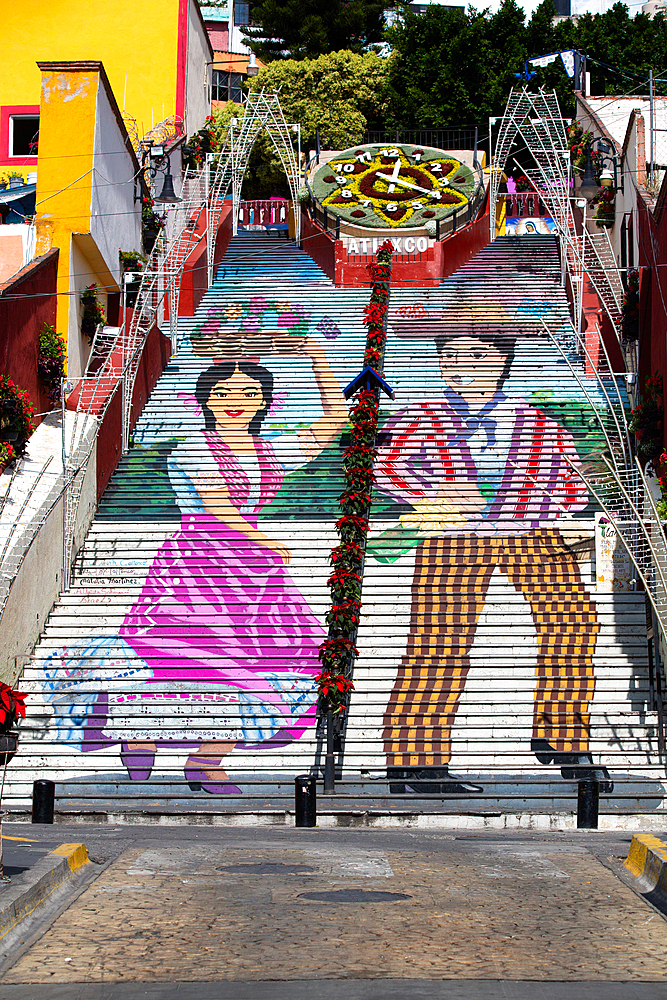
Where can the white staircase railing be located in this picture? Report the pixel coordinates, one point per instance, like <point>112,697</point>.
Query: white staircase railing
<point>537,119</point>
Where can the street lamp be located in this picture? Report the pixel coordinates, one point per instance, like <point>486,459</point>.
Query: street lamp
<point>588,187</point>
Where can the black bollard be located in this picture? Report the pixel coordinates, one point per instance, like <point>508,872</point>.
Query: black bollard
<point>43,799</point>
<point>588,801</point>
<point>305,800</point>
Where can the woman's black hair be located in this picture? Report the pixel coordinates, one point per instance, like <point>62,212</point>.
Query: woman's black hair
<point>220,373</point>
<point>506,345</point>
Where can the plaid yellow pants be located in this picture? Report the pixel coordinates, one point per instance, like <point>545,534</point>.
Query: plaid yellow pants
<point>451,579</point>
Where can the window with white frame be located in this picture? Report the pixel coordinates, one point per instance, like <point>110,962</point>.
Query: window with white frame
<point>23,135</point>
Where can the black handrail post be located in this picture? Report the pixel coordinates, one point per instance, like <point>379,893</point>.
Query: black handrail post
<point>437,229</point>
<point>317,144</point>
<point>338,227</point>
<point>329,760</point>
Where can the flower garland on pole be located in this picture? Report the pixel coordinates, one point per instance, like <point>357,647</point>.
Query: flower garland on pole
<point>338,651</point>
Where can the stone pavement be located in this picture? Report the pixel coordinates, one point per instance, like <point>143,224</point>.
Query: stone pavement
<point>250,907</point>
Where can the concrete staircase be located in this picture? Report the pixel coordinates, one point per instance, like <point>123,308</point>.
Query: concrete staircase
<point>233,660</point>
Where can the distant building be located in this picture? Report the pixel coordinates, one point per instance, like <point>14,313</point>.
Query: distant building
<point>232,60</point>
<point>563,8</point>
<point>654,7</point>
<point>157,66</point>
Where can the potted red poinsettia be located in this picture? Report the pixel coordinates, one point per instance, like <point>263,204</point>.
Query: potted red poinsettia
<point>12,708</point>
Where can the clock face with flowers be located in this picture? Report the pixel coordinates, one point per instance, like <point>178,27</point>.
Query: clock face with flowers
<point>391,187</point>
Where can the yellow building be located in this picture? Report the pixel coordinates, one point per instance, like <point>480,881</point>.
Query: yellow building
<point>157,58</point>
<point>88,198</point>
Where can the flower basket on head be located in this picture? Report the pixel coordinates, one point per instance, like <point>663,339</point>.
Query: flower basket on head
<point>254,329</point>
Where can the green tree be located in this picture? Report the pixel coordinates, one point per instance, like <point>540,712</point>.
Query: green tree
<point>456,67</point>
<point>305,29</point>
<point>453,67</point>
<point>341,93</point>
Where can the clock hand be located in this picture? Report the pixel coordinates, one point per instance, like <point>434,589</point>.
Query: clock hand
<point>394,176</point>
<point>407,184</point>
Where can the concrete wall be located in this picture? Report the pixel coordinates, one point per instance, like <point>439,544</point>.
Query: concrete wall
<point>114,222</point>
<point>85,199</point>
<point>38,581</point>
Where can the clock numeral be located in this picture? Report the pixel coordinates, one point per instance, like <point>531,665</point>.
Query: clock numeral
<point>417,204</point>
<point>348,168</point>
<point>436,195</point>
<point>367,204</point>
<point>391,206</point>
<point>436,168</point>
<point>346,194</point>
<point>396,153</point>
<point>341,180</point>
<point>364,157</point>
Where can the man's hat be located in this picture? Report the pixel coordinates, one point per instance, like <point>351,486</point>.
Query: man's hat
<point>467,316</point>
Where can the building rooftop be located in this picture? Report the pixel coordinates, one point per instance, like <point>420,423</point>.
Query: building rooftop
<point>614,113</point>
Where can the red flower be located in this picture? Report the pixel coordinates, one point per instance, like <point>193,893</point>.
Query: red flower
<point>12,704</point>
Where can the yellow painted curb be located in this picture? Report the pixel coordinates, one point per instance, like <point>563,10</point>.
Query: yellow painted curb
<point>28,891</point>
<point>76,854</point>
<point>647,859</point>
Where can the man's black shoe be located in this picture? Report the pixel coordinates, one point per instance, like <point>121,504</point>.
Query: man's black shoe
<point>574,765</point>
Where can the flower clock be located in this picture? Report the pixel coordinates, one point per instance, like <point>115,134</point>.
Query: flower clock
<point>389,187</point>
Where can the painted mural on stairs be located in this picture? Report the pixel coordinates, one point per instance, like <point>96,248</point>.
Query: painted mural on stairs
<point>220,649</point>
<point>234,475</point>
<point>484,474</point>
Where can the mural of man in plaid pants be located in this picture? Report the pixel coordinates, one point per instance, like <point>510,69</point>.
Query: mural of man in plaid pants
<point>487,479</point>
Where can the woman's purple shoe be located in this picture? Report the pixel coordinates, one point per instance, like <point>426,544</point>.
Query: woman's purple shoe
<point>139,762</point>
<point>194,776</point>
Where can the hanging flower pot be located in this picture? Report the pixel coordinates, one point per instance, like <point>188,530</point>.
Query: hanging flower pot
<point>51,361</point>
<point>15,420</point>
<point>93,313</point>
<point>12,708</point>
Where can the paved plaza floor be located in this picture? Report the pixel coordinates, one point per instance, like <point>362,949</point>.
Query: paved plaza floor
<point>185,912</point>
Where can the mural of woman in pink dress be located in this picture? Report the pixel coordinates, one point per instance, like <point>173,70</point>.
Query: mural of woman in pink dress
<point>223,648</point>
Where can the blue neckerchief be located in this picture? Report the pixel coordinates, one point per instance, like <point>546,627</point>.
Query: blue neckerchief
<point>476,420</point>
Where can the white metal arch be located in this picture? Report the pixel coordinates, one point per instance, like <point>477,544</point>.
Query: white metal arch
<point>263,111</point>
<point>537,119</point>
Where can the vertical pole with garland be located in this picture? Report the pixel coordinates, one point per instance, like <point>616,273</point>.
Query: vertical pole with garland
<point>338,651</point>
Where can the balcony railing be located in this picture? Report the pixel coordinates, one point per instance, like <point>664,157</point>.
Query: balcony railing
<point>523,205</point>
<point>265,214</point>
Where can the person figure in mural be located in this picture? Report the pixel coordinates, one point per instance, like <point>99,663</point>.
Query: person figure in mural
<point>487,478</point>
<point>230,644</point>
